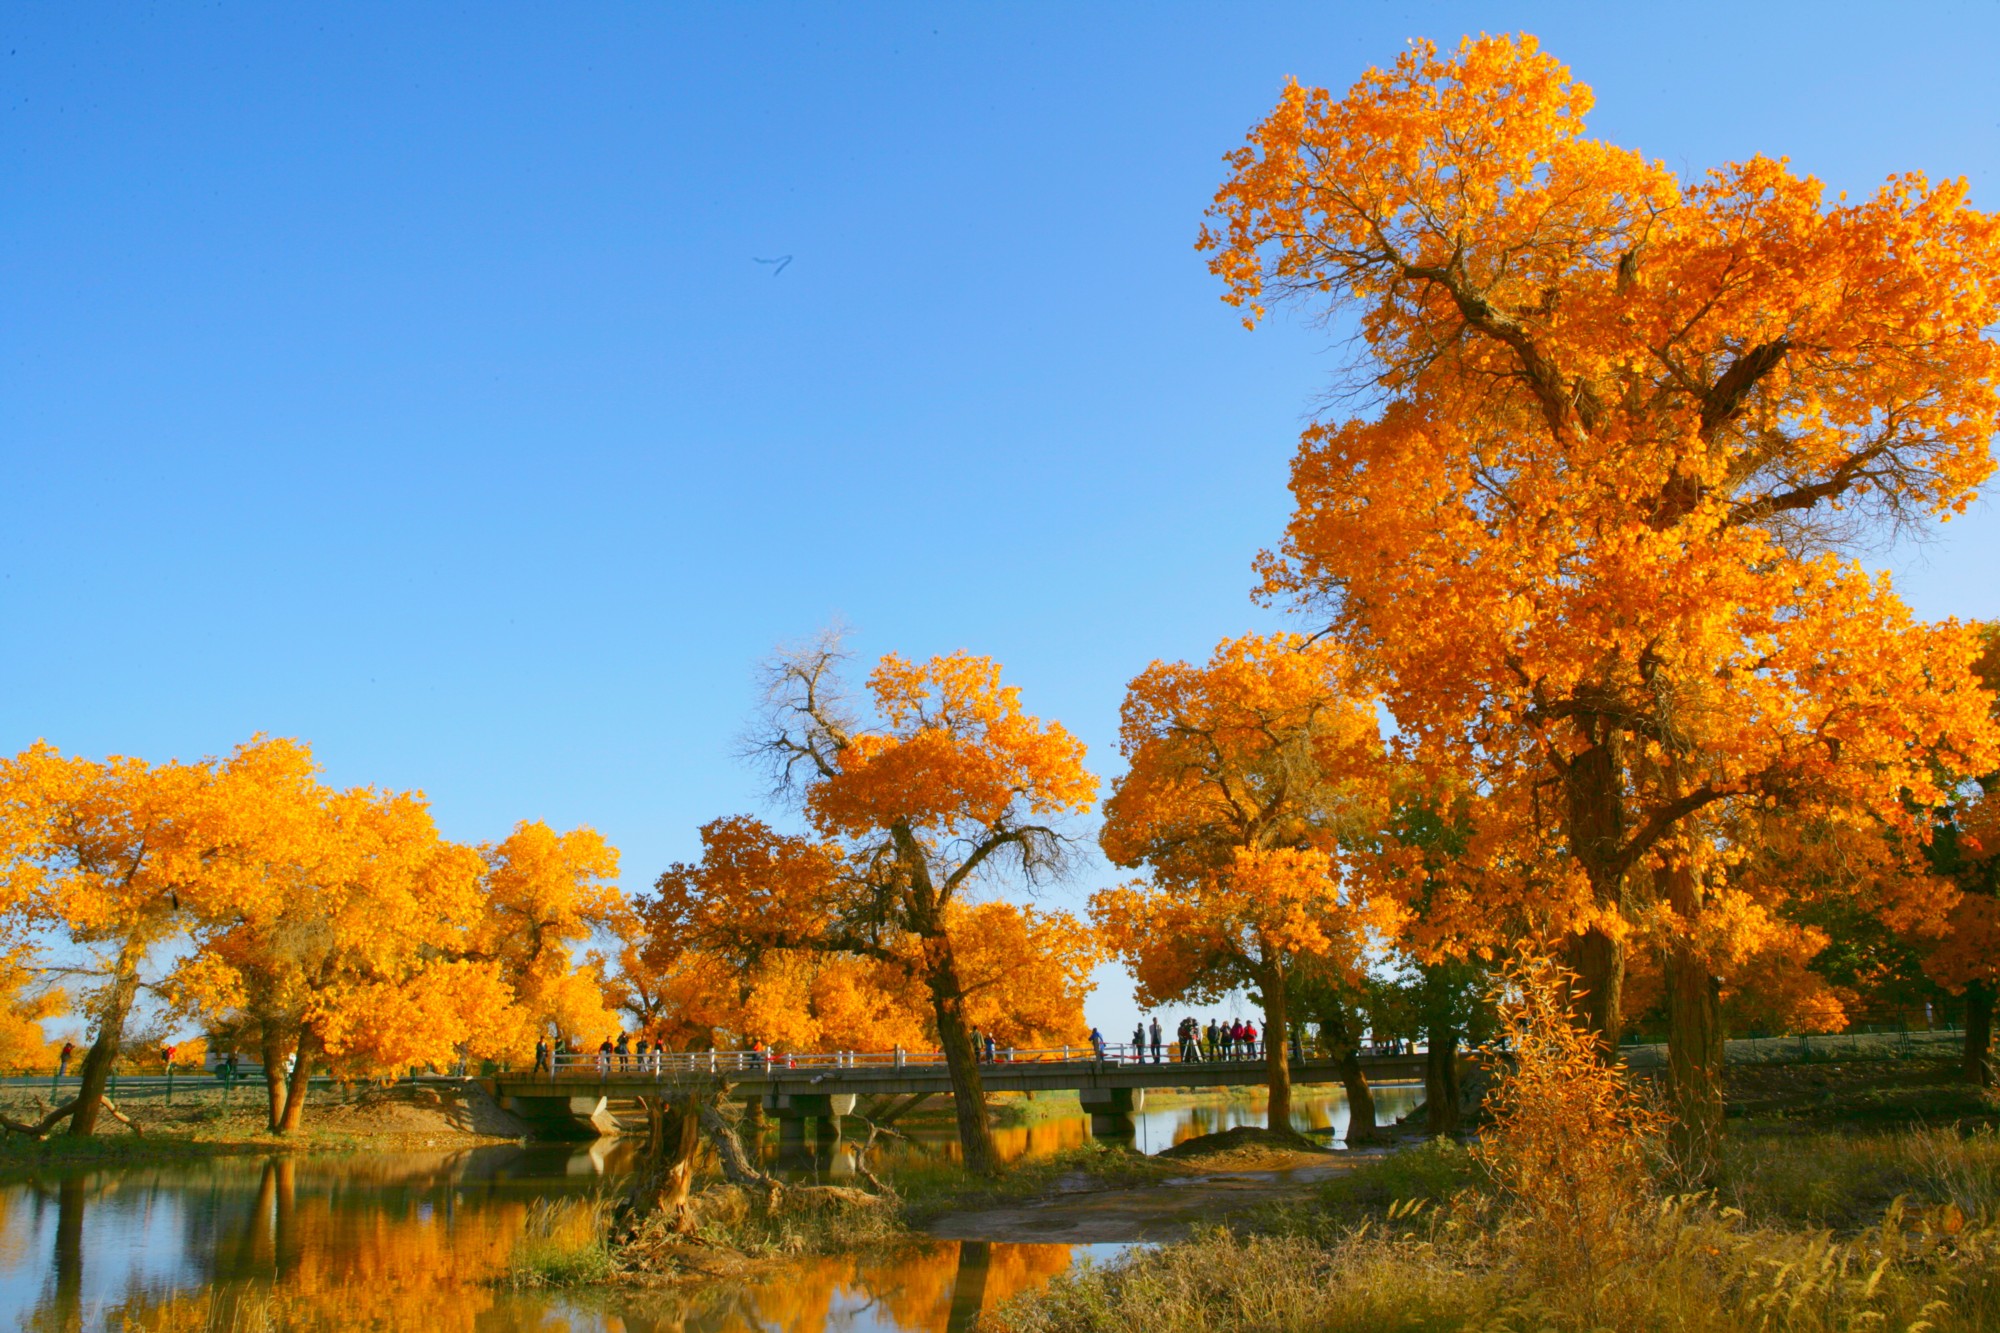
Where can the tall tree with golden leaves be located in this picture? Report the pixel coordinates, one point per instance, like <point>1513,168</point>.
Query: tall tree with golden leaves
<point>123,860</point>
<point>1245,777</point>
<point>1965,956</point>
<point>944,784</point>
<point>1618,434</point>
<point>357,952</point>
<point>547,894</point>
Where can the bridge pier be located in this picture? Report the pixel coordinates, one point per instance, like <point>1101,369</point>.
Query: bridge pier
<point>1111,1111</point>
<point>564,1117</point>
<point>793,1109</point>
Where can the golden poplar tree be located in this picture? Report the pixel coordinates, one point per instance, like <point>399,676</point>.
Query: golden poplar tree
<point>123,861</point>
<point>940,786</point>
<point>1245,777</point>
<point>1593,524</point>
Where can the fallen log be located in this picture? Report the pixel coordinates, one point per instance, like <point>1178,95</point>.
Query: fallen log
<point>38,1129</point>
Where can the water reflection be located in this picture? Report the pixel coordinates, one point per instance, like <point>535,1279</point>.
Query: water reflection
<point>416,1241</point>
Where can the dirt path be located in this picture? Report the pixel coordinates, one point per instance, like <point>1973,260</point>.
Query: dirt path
<point>1081,1214</point>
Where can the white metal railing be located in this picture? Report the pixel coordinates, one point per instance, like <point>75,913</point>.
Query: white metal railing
<point>661,1064</point>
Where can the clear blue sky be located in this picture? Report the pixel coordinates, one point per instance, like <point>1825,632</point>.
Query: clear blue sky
<point>399,377</point>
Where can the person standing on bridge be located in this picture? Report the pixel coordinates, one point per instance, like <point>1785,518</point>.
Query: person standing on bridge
<point>541,1055</point>
<point>978,1045</point>
<point>1250,1038</point>
<point>1139,1042</point>
<point>989,1048</point>
<point>1158,1049</point>
<point>1097,1044</point>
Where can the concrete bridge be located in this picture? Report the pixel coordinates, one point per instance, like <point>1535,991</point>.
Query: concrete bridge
<point>579,1097</point>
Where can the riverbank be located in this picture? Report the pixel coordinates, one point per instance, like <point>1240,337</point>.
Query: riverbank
<point>1091,1195</point>
<point>395,1119</point>
<point>1848,1196</point>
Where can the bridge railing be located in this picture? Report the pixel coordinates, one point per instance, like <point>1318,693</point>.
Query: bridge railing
<point>665,1064</point>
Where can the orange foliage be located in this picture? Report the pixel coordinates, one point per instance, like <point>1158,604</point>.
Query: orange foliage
<point>122,857</point>
<point>1968,941</point>
<point>1593,542</point>
<point>1245,775</point>
<point>24,1002</point>
<point>355,947</point>
<point>1568,1137</point>
<point>951,783</point>
<point>546,893</point>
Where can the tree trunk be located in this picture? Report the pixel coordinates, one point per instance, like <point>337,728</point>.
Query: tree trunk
<point>1339,1032</point>
<point>295,1095</point>
<point>1441,1080</point>
<point>1599,963</point>
<point>737,1167</point>
<point>1360,1099</point>
<point>273,1048</point>
<point>1277,1058</point>
<point>665,1177</point>
<point>1594,825</point>
<point>968,1092</point>
<point>1694,1044</point>
<point>1978,1063</point>
<point>103,1053</point>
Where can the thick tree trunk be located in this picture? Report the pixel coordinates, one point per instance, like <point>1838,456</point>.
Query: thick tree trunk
<point>665,1178</point>
<point>1360,1099</point>
<point>1277,1058</point>
<point>1694,1044</point>
<point>1594,824</point>
<point>1978,1062</point>
<point>1599,963</point>
<point>273,1050</point>
<point>1441,1081</point>
<point>968,1091</point>
<point>1340,1032</point>
<point>103,1053</point>
<point>295,1095</point>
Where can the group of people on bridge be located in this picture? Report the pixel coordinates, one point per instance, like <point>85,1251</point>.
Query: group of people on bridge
<point>1194,1042</point>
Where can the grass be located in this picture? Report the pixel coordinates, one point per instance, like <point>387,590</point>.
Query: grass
<point>1810,1230</point>
<point>562,1244</point>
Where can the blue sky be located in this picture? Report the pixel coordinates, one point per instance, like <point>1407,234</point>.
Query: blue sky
<point>401,377</point>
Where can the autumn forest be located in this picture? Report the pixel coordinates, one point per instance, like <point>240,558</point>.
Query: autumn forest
<point>1587,687</point>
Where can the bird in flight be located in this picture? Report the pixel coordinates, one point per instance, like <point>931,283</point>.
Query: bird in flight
<point>780,261</point>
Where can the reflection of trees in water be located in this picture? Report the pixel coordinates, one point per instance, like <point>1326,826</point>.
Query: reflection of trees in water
<point>940,1287</point>
<point>292,1243</point>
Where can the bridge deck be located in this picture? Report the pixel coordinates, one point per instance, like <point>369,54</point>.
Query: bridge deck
<point>1040,1075</point>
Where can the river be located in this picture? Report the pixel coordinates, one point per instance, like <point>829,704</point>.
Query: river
<point>390,1241</point>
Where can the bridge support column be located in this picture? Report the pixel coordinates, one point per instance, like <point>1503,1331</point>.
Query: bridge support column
<point>562,1117</point>
<point>1111,1111</point>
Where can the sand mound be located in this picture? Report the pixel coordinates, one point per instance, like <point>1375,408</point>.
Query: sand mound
<point>466,1109</point>
<point>1246,1146</point>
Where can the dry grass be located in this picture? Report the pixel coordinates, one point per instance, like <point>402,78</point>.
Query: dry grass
<point>1689,1266</point>
<point>1556,1223</point>
<point>563,1244</point>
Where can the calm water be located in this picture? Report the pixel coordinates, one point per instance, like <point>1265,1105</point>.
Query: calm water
<point>413,1241</point>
